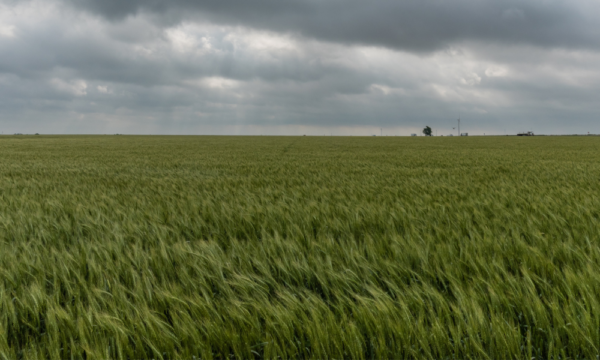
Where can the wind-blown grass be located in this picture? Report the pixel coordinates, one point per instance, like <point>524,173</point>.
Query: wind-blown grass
<point>262,247</point>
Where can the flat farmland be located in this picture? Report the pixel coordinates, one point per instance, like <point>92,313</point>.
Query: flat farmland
<point>175,247</point>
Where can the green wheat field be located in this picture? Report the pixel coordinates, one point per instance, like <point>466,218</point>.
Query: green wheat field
<point>174,247</point>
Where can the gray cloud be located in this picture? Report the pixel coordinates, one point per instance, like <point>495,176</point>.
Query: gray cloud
<point>298,66</point>
<point>414,25</point>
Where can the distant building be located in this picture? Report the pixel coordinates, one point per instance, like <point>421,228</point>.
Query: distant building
<point>464,134</point>
<point>529,133</point>
<point>413,134</point>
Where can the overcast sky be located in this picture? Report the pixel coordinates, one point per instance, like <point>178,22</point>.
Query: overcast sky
<point>341,67</point>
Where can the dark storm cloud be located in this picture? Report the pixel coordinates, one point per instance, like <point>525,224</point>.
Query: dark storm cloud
<point>414,25</point>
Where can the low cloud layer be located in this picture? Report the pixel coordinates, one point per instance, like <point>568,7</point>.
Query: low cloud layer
<point>294,67</point>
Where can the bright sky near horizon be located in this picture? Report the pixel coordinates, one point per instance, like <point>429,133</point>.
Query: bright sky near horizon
<point>342,67</point>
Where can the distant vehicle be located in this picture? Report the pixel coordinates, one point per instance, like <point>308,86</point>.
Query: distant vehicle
<point>464,134</point>
<point>413,134</point>
<point>529,133</point>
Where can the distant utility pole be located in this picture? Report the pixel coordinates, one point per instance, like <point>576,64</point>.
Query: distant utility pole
<point>459,126</point>
<point>380,131</point>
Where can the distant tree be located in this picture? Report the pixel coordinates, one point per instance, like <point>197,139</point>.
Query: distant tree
<point>427,131</point>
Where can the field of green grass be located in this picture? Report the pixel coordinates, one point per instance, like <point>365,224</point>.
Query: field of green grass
<point>123,247</point>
